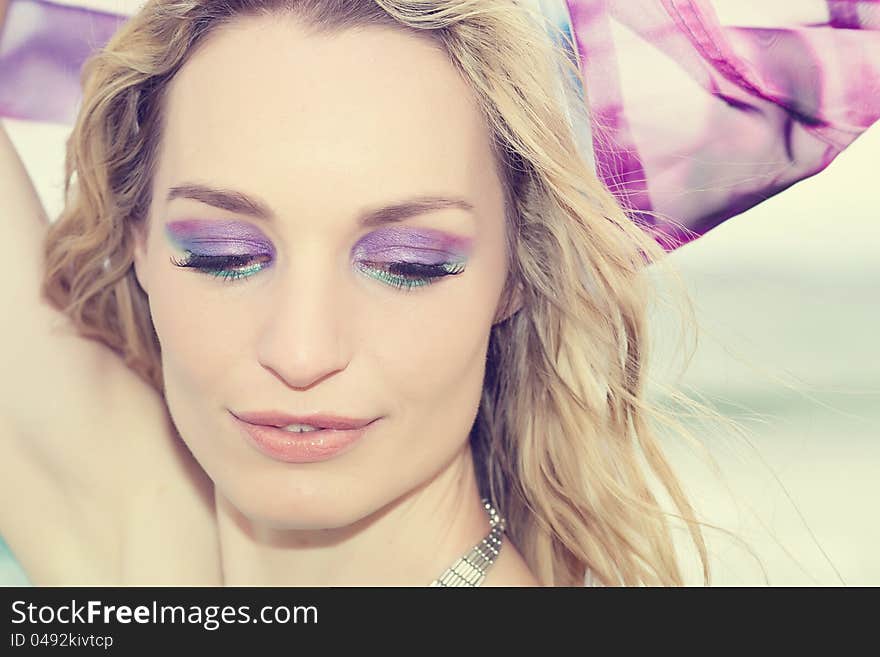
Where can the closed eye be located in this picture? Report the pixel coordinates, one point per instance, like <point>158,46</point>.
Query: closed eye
<point>227,267</point>
<point>399,275</point>
<point>409,275</point>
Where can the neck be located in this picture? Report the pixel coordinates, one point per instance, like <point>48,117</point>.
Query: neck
<point>408,542</point>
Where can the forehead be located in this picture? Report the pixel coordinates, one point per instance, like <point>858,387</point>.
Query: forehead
<point>371,114</point>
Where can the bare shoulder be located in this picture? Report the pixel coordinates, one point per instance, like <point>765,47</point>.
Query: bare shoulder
<point>74,473</point>
<point>132,507</point>
<point>104,507</point>
<point>97,476</point>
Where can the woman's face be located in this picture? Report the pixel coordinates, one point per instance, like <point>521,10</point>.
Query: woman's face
<point>309,311</point>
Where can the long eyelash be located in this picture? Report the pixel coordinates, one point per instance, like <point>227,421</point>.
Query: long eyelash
<point>222,266</point>
<point>407,276</point>
<point>404,276</point>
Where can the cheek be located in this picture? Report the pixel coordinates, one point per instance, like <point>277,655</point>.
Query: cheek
<point>434,348</point>
<point>431,346</point>
<point>197,334</point>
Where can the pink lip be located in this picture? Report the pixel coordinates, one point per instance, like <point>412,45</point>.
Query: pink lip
<point>306,447</point>
<point>323,420</point>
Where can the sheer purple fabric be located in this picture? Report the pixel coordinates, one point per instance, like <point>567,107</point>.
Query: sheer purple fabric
<point>707,108</point>
<point>700,109</point>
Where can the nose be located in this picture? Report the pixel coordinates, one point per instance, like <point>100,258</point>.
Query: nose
<point>302,340</point>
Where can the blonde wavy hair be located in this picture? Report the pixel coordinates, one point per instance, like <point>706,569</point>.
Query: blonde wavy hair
<point>563,441</point>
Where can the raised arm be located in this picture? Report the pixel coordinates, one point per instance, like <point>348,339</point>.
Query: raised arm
<point>63,411</point>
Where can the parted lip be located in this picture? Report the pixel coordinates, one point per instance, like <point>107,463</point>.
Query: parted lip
<point>321,420</point>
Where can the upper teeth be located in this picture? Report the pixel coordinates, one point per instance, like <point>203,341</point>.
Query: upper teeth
<point>300,427</point>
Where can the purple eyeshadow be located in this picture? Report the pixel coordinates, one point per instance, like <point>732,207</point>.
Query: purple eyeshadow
<point>394,244</point>
<point>218,238</point>
<point>419,245</point>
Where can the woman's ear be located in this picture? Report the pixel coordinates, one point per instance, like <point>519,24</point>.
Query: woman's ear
<point>510,302</point>
<point>139,255</point>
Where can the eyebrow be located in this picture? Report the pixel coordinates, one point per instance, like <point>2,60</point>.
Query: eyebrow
<point>240,203</point>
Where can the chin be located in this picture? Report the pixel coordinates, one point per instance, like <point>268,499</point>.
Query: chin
<point>293,507</point>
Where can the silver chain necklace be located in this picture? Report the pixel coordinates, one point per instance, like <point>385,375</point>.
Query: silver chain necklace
<point>470,570</point>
